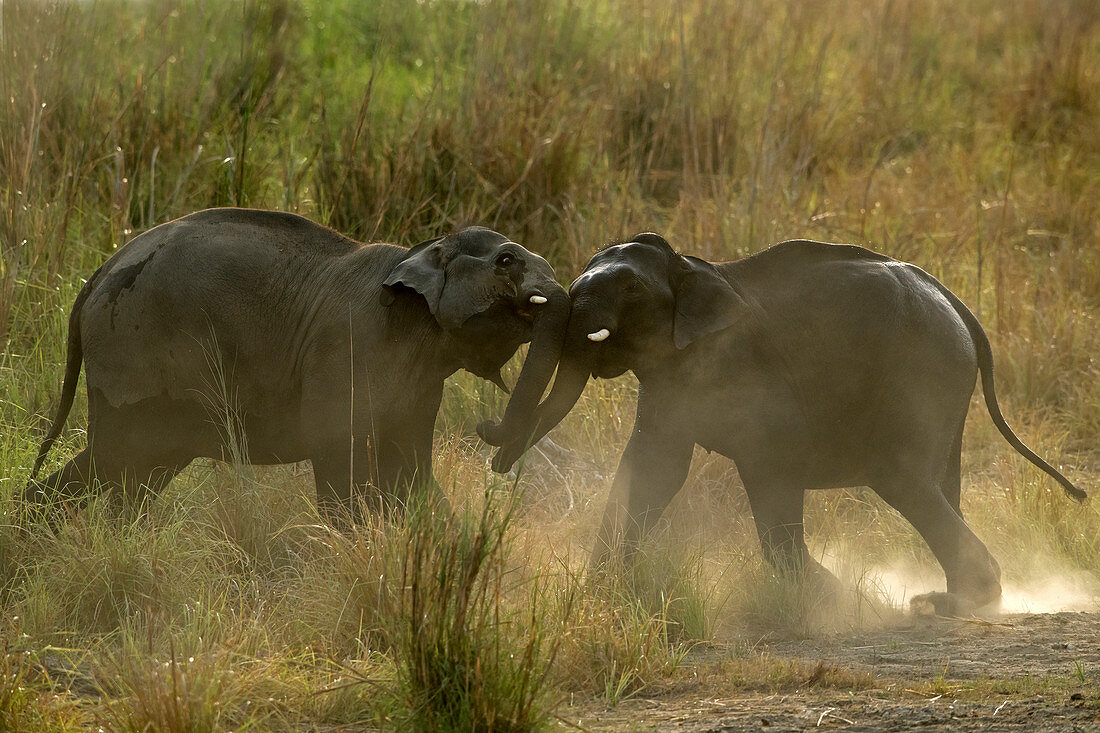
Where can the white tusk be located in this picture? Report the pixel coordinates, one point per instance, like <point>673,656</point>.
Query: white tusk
<point>538,299</point>
<point>599,335</point>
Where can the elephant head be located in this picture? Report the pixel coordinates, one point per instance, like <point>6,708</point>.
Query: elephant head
<point>489,295</point>
<point>635,306</point>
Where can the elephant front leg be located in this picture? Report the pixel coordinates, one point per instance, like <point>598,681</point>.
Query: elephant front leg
<point>404,470</point>
<point>377,471</point>
<point>335,474</point>
<point>778,515</point>
<point>652,470</point>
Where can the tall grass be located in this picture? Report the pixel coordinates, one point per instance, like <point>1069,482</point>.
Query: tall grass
<point>466,659</point>
<point>26,702</point>
<point>962,137</point>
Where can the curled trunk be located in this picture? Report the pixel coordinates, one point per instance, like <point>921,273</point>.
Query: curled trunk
<point>546,344</point>
<point>521,429</point>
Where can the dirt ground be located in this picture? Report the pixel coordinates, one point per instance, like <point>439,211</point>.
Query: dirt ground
<point>1019,672</point>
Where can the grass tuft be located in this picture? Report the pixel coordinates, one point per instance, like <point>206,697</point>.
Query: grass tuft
<point>178,694</point>
<point>468,659</point>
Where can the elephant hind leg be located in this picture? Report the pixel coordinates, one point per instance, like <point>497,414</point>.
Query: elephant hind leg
<point>973,576</point>
<point>951,485</point>
<point>134,485</point>
<point>67,485</point>
<point>68,488</point>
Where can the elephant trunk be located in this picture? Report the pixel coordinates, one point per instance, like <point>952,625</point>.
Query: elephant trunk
<point>547,336</point>
<point>525,429</point>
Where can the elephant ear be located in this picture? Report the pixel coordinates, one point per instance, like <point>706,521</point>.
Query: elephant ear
<point>421,270</point>
<point>705,302</point>
<point>472,288</point>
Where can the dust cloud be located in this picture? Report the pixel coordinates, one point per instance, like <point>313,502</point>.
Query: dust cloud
<point>1062,589</point>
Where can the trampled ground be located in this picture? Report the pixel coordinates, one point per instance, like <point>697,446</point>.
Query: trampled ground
<point>1019,672</point>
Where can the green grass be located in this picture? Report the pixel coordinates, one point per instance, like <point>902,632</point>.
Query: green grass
<point>962,137</point>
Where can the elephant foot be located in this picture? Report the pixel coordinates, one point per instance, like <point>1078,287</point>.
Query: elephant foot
<point>963,597</point>
<point>940,604</point>
<point>820,584</point>
<point>950,604</point>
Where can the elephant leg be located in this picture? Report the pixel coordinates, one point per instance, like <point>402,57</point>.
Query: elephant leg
<point>69,484</point>
<point>346,467</point>
<point>973,576</point>
<point>403,455</point>
<point>404,470</point>
<point>335,471</point>
<point>653,469</point>
<point>134,485</point>
<point>382,471</point>
<point>383,448</point>
<point>778,514</point>
<point>136,452</point>
<point>341,445</point>
<point>129,485</point>
<point>951,486</point>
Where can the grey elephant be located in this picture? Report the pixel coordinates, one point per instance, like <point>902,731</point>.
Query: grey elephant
<point>235,329</point>
<point>811,365</point>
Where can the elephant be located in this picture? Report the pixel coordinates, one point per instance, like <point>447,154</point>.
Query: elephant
<point>810,365</point>
<point>261,332</point>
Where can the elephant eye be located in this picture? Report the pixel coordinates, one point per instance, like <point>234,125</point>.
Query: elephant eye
<point>505,259</point>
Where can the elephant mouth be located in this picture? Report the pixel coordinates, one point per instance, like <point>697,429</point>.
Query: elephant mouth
<point>526,305</point>
<point>606,361</point>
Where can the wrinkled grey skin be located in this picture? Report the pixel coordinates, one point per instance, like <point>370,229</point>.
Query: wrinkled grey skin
<point>811,365</point>
<point>236,329</point>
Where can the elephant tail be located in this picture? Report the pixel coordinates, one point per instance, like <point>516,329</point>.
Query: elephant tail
<point>985,367</point>
<point>73,359</point>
